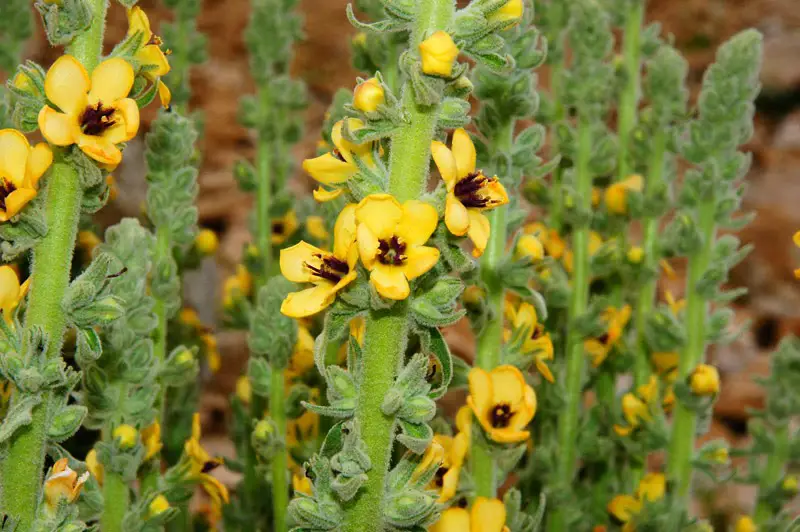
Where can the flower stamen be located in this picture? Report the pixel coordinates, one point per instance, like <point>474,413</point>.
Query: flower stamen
<point>331,269</point>
<point>97,119</point>
<point>468,191</point>
<point>392,252</point>
<point>6,188</point>
<point>501,415</point>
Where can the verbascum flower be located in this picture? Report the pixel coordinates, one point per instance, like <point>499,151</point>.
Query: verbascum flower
<point>790,485</point>
<point>390,242</point>
<point>652,487</point>
<point>636,407</point>
<point>283,228</point>
<point>665,362</point>
<point>302,358</point>
<point>554,245</point>
<point>11,292</point>
<point>454,452</point>
<point>538,343</point>
<point>502,402</point>
<point>158,506</point>
<point>464,424</point>
<point>244,391</point>
<point>301,484</point>
<point>303,429</point>
<point>238,285</point>
<point>21,167</point>
<point>150,56</point>
<point>438,52</point>
<point>94,113</point>
<point>432,458</point>
<point>189,317</point>
<point>211,348</point>
<point>616,196</point>
<point>469,192</point>
<point>151,439</point>
<point>745,524</point>
<point>201,464</point>
<point>327,272</point>
<point>126,436</point>
<point>206,242</point>
<point>94,466</point>
<point>530,247</point>
<point>512,10</point>
<point>368,95</point>
<point>62,483</point>
<point>704,380</point>
<point>635,255</point>
<point>316,228</point>
<point>487,515</point>
<point>333,169</point>
<point>623,509</point>
<point>615,321</point>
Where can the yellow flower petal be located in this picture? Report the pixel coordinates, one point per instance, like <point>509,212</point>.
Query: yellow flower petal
<point>294,262</point>
<point>445,162</point>
<point>488,515</point>
<point>164,94</point>
<point>329,170</point>
<point>14,150</point>
<point>464,152</point>
<point>39,160</point>
<point>127,128</point>
<point>418,222</point>
<point>438,53</point>
<point>322,195</point>
<point>452,520</point>
<point>56,127</point>
<point>390,282</point>
<point>479,231</point>
<point>368,245</point>
<point>544,370</point>
<point>308,302</point>
<point>420,260</point>
<point>380,213</point>
<point>111,81</point>
<point>18,199</point>
<point>66,84</point>
<point>624,507</point>
<point>480,391</point>
<point>456,217</point>
<point>344,231</point>
<point>100,149</point>
<point>139,22</point>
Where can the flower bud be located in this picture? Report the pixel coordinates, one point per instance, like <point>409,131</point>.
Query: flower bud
<point>511,11</point>
<point>94,466</point>
<point>126,436</point>
<point>704,380</point>
<point>790,485</point>
<point>88,240</point>
<point>206,242</point>
<point>301,484</point>
<point>474,295</point>
<point>63,483</point>
<point>263,431</point>
<point>243,389</point>
<point>635,255</point>
<point>530,247</point>
<point>438,53</point>
<point>617,194</point>
<point>745,524</point>
<point>159,505</point>
<point>188,316</point>
<point>369,95</point>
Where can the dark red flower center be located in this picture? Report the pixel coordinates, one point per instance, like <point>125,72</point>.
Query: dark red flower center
<point>331,268</point>
<point>438,479</point>
<point>501,415</point>
<point>392,252</point>
<point>96,119</point>
<point>469,191</point>
<point>278,228</point>
<point>537,333</point>
<point>6,188</point>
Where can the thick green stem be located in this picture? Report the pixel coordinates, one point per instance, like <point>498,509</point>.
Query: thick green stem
<point>772,473</point>
<point>629,99</point>
<point>88,47</point>
<point>641,370</point>
<point>684,421</point>
<point>280,462</point>
<point>384,347</point>
<point>116,497</point>
<point>573,378</point>
<point>22,466</point>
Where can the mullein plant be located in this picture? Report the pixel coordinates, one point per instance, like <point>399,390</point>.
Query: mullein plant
<point>396,258</point>
<point>274,116</point>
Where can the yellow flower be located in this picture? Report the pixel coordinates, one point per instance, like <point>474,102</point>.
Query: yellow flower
<point>474,295</point>
<point>236,286</point>
<point>665,362</point>
<point>358,326</point>
<point>303,429</point>
<point>212,351</point>
<point>302,358</point>
<point>530,247</point>
<point>469,192</point>
<point>11,292</point>
<point>390,242</point>
<point>615,321</point>
<point>159,505</point>
<point>283,228</point>
<point>432,458</point>
<point>301,484</point>
<point>502,402</point>
<point>126,435</point>
<point>745,524</point>
<point>622,509</point>
<point>454,452</point>
<point>704,380</point>
<point>796,240</point>
<point>206,242</point>
<point>554,245</point>
<point>538,343</point>
<point>636,406</point>
<point>369,95</point>
<point>790,485</point>
<point>21,167</point>
<point>150,56</point>
<point>652,487</point>
<point>438,53</point>
<point>243,389</point>
<point>512,10</point>
<point>201,464</point>
<point>464,423</point>
<point>487,515</point>
<point>328,272</point>
<point>151,439</point>
<point>617,194</point>
<point>88,240</point>
<point>635,255</point>
<point>316,228</point>
<point>95,467</point>
<point>188,316</point>
<point>674,305</point>
<point>63,483</point>
<point>94,113</point>
<point>336,167</point>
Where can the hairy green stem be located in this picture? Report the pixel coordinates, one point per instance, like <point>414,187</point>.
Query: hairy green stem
<point>116,497</point>
<point>386,334</point>
<point>280,462</point>
<point>579,298</point>
<point>684,421</point>
<point>655,173</point>
<point>773,472</point>
<point>23,464</point>
<point>629,99</point>
<point>556,73</point>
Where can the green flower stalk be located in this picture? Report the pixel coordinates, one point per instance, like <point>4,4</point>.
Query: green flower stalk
<point>24,455</point>
<point>710,198</point>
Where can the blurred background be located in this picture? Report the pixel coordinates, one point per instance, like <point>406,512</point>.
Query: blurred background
<point>323,62</point>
